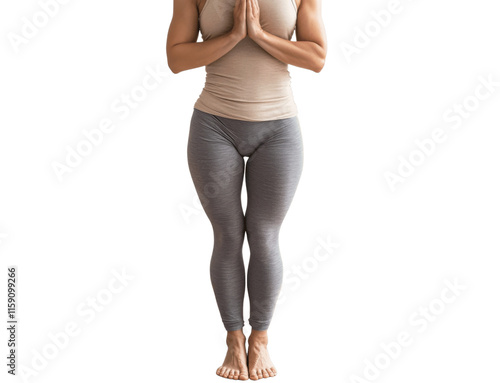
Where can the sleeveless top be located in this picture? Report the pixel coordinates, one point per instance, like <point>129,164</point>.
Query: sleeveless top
<point>247,83</point>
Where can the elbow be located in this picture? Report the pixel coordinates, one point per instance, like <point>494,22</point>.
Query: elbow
<point>319,65</point>
<point>173,67</point>
<point>320,59</point>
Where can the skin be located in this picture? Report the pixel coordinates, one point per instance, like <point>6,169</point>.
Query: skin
<point>184,52</point>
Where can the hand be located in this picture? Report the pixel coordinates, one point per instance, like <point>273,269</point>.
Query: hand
<point>240,22</point>
<point>253,19</point>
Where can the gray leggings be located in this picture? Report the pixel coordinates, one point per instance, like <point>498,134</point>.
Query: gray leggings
<point>216,150</point>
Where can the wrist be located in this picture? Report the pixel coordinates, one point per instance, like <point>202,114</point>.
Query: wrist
<point>258,34</point>
<point>236,36</point>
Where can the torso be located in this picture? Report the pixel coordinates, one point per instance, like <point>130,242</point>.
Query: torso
<point>247,83</point>
<point>201,4</point>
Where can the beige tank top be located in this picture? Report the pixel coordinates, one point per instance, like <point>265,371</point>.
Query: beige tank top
<point>247,83</point>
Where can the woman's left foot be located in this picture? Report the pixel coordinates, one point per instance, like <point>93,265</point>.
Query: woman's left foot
<point>259,362</point>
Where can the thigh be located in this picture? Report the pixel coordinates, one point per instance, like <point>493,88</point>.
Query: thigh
<point>272,175</point>
<point>217,171</point>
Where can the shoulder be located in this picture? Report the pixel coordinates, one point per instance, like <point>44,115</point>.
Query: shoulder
<point>308,4</point>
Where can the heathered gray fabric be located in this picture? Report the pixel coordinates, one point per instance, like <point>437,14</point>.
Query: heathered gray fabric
<point>216,150</point>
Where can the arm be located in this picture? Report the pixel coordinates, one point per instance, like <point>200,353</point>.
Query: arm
<point>183,50</point>
<point>309,51</point>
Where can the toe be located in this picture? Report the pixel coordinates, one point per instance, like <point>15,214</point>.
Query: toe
<point>230,374</point>
<point>224,373</point>
<point>274,370</point>
<point>259,374</point>
<point>253,375</point>
<point>236,374</point>
<point>265,374</point>
<point>270,372</point>
<point>243,374</point>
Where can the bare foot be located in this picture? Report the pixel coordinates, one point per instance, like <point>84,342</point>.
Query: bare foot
<point>259,362</point>
<point>235,364</point>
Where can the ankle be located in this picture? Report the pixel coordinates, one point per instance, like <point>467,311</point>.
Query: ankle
<point>235,336</point>
<point>259,337</point>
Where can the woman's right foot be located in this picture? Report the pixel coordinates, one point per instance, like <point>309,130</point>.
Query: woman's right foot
<point>235,364</point>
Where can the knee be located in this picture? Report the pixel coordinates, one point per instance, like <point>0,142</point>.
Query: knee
<point>262,236</point>
<point>229,238</point>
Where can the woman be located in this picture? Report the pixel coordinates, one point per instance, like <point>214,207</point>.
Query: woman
<point>246,109</point>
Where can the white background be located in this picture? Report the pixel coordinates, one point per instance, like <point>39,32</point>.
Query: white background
<point>131,205</point>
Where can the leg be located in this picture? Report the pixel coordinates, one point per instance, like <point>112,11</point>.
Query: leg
<point>272,176</point>
<point>217,171</point>
<point>273,173</point>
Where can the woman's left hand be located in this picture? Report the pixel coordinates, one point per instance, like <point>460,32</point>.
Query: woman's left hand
<point>253,19</point>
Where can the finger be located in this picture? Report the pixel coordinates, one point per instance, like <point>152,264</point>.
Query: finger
<point>249,6</point>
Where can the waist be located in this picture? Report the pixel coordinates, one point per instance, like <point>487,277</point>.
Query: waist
<point>246,92</point>
<point>271,107</point>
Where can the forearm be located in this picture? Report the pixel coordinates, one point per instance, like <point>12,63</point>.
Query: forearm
<point>184,56</point>
<point>304,54</point>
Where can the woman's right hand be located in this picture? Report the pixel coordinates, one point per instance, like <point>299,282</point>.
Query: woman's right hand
<point>240,19</point>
